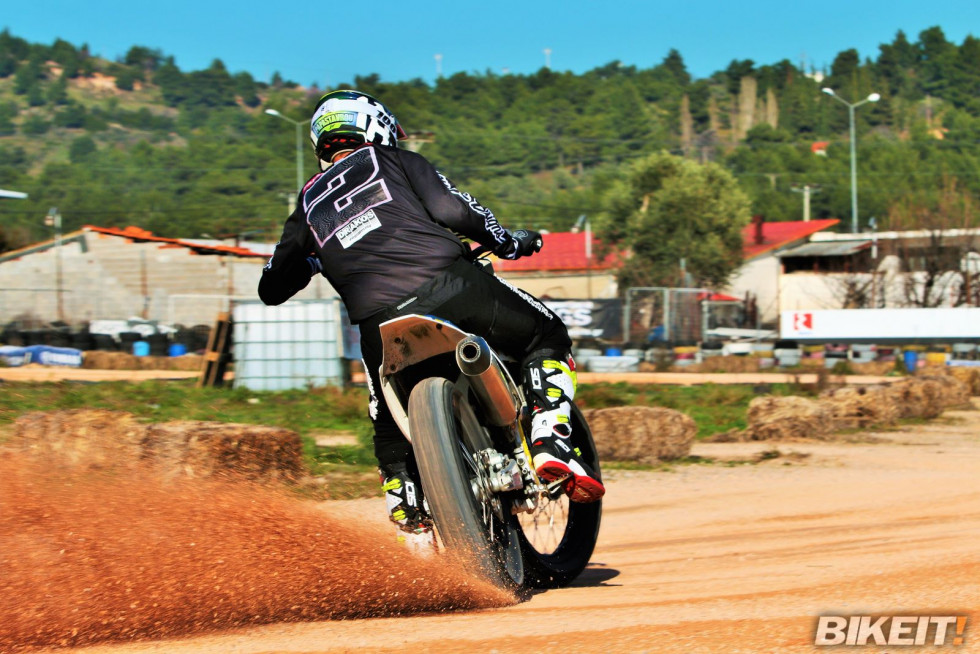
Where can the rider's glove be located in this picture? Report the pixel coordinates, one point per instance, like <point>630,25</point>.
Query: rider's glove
<point>315,266</point>
<point>522,243</point>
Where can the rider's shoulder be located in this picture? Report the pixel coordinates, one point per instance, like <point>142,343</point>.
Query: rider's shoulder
<point>410,156</point>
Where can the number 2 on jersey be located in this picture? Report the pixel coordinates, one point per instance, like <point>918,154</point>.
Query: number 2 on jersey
<point>349,189</point>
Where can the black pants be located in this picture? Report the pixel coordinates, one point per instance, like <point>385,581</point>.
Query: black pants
<point>512,321</point>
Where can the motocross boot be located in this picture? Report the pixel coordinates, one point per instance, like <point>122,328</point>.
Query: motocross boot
<point>550,383</point>
<point>403,496</point>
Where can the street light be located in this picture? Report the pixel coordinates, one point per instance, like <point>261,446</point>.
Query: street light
<point>874,97</point>
<point>299,146</point>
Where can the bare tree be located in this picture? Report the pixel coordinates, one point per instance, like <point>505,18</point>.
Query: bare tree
<point>939,253</point>
<point>852,290</point>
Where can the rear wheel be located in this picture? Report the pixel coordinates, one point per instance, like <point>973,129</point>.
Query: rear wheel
<point>558,538</point>
<point>473,523</point>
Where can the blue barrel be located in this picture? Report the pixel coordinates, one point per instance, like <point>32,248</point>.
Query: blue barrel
<point>141,348</point>
<point>177,350</point>
<point>911,359</point>
<point>613,352</point>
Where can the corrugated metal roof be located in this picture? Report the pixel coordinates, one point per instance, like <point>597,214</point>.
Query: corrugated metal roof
<point>780,234</point>
<point>826,249</point>
<point>142,235</point>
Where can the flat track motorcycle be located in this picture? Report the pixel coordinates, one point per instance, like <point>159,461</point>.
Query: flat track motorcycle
<point>456,400</point>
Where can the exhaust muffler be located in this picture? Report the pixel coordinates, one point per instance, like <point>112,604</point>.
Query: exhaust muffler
<point>474,358</point>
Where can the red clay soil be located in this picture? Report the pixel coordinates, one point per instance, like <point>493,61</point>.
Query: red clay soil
<point>127,556</point>
<point>704,558</point>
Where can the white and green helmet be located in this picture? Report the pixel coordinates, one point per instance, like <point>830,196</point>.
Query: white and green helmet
<point>345,119</point>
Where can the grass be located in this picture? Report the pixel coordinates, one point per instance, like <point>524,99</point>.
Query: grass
<point>303,411</point>
<point>714,407</point>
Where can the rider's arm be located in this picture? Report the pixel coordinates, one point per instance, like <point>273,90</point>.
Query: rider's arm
<point>293,263</point>
<point>452,208</point>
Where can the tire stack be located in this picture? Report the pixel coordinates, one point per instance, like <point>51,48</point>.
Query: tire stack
<point>127,340</point>
<point>83,341</point>
<point>159,344</point>
<point>105,342</point>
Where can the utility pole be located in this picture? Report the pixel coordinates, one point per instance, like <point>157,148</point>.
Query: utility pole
<point>547,58</point>
<point>873,224</point>
<point>438,58</point>
<point>806,190</point>
<point>53,219</point>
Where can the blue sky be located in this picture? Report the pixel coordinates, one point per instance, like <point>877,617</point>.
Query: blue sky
<point>330,42</point>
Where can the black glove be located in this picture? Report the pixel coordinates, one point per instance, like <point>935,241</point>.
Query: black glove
<point>523,243</point>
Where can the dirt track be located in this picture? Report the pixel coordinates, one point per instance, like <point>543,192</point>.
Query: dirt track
<point>55,374</point>
<point>720,558</point>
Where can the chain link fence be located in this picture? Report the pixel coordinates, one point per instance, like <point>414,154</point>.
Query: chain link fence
<point>676,316</point>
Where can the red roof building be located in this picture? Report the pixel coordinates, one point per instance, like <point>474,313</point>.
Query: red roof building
<point>566,252</point>
<point>563,252</point>
<point>761,237</point>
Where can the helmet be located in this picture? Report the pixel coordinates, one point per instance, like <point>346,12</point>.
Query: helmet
<point>345,119</point>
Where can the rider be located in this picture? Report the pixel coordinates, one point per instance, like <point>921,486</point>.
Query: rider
<point>384,227</point>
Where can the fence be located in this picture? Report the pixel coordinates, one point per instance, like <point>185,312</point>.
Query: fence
<point>668,315</point>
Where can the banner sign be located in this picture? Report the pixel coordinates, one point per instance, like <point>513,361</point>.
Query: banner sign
<point>45,355</point>
<point>910,325</point>
<point>601,319</point>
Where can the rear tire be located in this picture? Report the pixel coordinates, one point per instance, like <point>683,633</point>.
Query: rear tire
<point>555,554</point>
<point>446,438</point>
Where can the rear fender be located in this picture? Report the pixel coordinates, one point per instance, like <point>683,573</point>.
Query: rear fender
<point>409,340</point>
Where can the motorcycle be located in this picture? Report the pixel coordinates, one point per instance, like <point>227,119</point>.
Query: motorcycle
<point>468,421</point>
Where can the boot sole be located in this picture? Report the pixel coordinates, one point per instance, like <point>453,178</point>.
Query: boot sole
<point>579,488</point>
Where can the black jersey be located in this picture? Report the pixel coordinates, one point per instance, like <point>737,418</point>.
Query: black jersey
<point>382,221</point>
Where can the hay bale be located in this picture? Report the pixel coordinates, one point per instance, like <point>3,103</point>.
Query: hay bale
<point>92,438</point>
<point>876,368</point>
<point>861,406</point>
<point>724,364</point>
<point>955,392</point>
<point>788,418</point>
<point>969,376</point>
<point>100,360</point>
<point>918,397</point>
<point>100,439</point>
<point>641,434</point>
<point>189,362</point>
<point>202,449</point>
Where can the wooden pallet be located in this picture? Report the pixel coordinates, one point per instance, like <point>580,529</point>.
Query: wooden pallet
<point>218,353</point>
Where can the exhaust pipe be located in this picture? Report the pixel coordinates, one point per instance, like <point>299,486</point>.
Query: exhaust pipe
<point>489,383</point>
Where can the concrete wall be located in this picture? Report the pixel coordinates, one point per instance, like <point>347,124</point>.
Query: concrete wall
<point>761,278</point>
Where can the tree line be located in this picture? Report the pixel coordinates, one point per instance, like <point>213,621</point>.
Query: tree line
<point>192,153</point>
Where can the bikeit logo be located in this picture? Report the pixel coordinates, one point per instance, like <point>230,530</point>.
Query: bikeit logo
<point>890,630</point>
